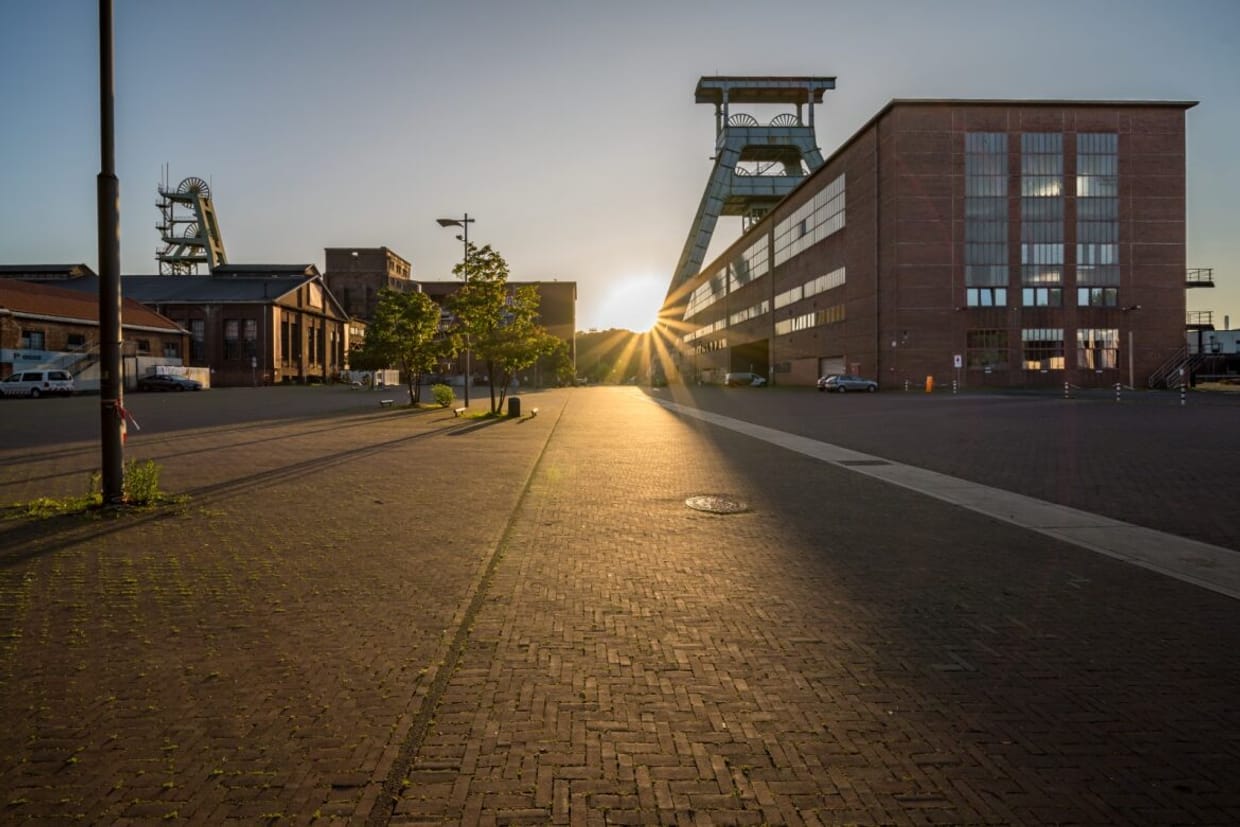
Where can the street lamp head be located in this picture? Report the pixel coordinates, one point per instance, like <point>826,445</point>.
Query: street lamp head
<point>449,222</point>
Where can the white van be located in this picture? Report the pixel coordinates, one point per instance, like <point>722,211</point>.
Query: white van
<point>36,383</point>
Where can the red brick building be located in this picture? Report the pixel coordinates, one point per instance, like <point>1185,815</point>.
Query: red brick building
<point>45,325</point>
<point>1029,242</point>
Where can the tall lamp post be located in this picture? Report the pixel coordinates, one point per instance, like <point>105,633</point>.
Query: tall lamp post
<point>463,223</point>
<point>111,386</point>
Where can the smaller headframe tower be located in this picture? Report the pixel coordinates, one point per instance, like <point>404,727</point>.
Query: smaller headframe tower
<point>756,165</point>
<point>189,229</point>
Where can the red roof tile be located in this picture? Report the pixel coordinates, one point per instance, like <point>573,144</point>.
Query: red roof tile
<point>45,300</point>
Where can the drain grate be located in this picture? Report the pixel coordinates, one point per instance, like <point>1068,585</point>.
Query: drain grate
<point>716,504</point>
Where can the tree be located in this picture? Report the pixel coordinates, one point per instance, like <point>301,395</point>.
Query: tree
<point>499,326</point>
<point>403,335</point>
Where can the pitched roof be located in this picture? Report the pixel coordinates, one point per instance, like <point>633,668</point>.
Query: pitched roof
<point>44,300</point>
<point>199,289</point>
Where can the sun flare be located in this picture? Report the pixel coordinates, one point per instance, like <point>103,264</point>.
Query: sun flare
<point>633,303</point>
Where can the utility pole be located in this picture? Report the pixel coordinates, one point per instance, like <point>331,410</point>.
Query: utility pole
<point>111,386</point>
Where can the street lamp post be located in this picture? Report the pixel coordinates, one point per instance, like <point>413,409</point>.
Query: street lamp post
<point>463,223</point>
<point>111,382</point>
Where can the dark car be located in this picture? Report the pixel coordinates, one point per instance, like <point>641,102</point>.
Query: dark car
<point>168,382</point>
<point>845,382</point>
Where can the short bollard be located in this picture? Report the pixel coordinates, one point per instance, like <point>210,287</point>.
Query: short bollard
<point>1117,387</point>
<point>906,386</point>
<point>955,382</point>
<point>1183,386</point>
<point>1067,394</point>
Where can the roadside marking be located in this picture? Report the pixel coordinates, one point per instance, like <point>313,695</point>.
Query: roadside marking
<point>1201,564</point>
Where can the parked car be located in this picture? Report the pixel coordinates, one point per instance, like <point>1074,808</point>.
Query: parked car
<point>36,383</point>
<point>845,382</point>
<point>744,378</point>
<point>168,382</point>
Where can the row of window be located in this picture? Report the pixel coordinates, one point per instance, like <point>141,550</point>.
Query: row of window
<point>1043,349</point>
<point>813,287</point>
<point>37,340</point>
<point>816,318</point>
<point>1042,297</point>
<point>811,222</point>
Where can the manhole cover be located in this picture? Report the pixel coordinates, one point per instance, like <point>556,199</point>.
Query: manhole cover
<point>716,504</point>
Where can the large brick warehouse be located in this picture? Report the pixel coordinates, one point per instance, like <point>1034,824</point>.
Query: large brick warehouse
<point>1002,243</point>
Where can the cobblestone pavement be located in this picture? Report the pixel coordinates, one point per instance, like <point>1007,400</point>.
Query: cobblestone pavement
<point>400,618</point>
<point>1144,460</point>
<point>844,652</point>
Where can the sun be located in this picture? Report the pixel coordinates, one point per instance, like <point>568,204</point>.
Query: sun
<point>633,303</point>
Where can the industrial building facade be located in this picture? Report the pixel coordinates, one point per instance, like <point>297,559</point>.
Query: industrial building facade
<point>996,243</point>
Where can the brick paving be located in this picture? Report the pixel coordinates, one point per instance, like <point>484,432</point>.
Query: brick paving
<point>399,618</point>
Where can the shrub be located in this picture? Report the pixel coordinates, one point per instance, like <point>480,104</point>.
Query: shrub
<point>142,482</point>
<point>443,394</point>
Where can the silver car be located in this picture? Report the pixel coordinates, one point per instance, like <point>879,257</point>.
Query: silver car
<point>845,382</point>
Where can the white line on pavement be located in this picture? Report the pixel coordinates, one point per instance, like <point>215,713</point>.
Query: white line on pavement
<point>1211,567</point>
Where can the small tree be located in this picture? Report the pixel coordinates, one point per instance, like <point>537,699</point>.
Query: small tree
<point>499,327</point>
<point>519,341</point>
<point>478,306</point>
<point>403,334</point>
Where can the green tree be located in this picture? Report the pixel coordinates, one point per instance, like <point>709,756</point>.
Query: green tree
<point>403,335</point>
<point>499,326</point>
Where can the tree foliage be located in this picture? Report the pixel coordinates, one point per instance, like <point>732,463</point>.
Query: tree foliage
<point>498,324</point>
<point>402,334</point>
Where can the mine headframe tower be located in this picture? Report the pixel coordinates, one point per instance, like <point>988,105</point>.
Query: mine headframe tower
<point>188,228</point>
<point>756,165</point>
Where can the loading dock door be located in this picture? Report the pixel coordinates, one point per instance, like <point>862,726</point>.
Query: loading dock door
<point>828,365</point>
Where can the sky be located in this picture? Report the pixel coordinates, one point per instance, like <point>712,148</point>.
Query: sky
<point>567,129</point>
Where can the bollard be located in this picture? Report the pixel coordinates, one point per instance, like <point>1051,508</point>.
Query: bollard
<point>929,384</point>
<point>906,386</point>
<point>1183,387</point>
<point>954,383</point>
<point>1066,394</point>
<point>1117,387</point>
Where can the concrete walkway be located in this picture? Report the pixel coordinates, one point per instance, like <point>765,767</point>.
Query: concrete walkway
<point>402,618</point>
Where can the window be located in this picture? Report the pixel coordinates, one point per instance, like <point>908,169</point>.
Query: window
<point>251,337</point>
<point>804,321</point>
<point>751,264</point>
<point>811,222</point>
<point>75,341</point>
<point>1097,348</point>
<point>198,341</point>
<point>986,296</point>
<point>32,339</point>
<point>1041,218</point>
<point>1042,297</point>
<point>1042,348</point>
<point>986,349</point>
<point>143,345</point>
<point>171,350</point>
<point>706,294</point>
<point>1097,296</point>
<point>232,339</point>
<point>1097,214</point>
<point>986,217</point>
